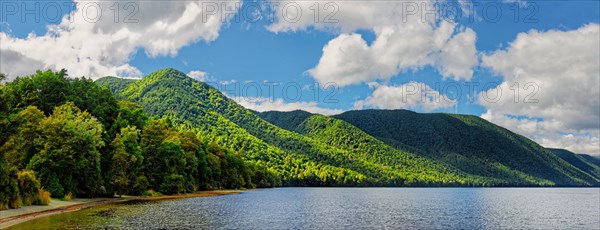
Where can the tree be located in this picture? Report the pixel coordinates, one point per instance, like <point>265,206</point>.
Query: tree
<point>126,162</point>
<point>163,154</point>
<point>153,136</point>
<point>45,90</point>
<point>20,147</point>
<point>98,101</point>
<point>129,114</point>
<point>54,186</point>
<point>173,184</point>
<point>171,167</point>
<point>68,143</point>
<point>191,146</point>
<point>57,127</point>
<point>9,186</point>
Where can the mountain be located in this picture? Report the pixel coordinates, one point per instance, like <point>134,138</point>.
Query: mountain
<point>341,134</point>
<point>115,84</point>
<point>286,120</point>
<point>586,163</point>
<point>357,148</point>
<point>470,144</point>
<point>299,159</point>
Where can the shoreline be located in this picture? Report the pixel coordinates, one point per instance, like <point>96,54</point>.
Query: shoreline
<point>15,219</point>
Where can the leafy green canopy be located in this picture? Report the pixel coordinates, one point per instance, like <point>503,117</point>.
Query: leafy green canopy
<point>78,139</point>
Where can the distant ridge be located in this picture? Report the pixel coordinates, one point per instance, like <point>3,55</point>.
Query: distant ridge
<point>298,159</point>
<point>469,143</point>
<point>586,163</point>
<point>358,148</point>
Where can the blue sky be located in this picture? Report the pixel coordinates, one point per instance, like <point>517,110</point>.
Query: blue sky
<point>255,52</point>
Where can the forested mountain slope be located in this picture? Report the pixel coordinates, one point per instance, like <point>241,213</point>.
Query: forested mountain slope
<point>335,131</point>
<point>115,84</point>
<point>298,159</point>
<point>469,143</point>
<point>357,148</point>
<point>286,120</point>
<point>586,163</point>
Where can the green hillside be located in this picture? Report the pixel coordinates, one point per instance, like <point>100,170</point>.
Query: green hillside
<point>586,163</point>
<point>594,160</point>
<point>357,148</point>
<point>115,84</point>
<point>469,143</point>
<point>299,159</point>
<point>335,131</point>
<point>286,120</point>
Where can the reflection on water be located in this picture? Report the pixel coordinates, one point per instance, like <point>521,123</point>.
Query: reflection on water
<point>327,208</point>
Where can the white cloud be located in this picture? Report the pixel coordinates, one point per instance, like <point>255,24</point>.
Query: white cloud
<point>565,67</point>
<point>263,104</point>
<point>96,49</point>
<point>403,41</point>
<point>548,133</point>
<point>18,63</point>
<point>575,143</point>
<point>200,75</point>
<point>458,56</point>
<point>412,95</point>
<point>228,82</point>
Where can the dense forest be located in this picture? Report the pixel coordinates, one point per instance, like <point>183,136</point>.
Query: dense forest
<point>69,137</point>
<point>299,160</point>
<point>586,163</point>
<point>306,149</point>
<point>470,144</point>
<point>167,133</point>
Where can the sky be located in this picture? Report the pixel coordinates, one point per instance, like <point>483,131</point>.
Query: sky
<point>530,66</point>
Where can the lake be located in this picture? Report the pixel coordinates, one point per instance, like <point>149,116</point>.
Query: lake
<point>350,208</point>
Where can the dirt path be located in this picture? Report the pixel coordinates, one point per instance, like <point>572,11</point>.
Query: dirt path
<point>15,216</point>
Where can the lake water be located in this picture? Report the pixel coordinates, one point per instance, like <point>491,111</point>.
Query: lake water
<point>351,208</point>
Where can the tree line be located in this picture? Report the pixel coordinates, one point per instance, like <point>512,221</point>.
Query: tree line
<point>65,137</point>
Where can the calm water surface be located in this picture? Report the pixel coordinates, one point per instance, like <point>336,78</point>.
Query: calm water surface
<point>350,208</point>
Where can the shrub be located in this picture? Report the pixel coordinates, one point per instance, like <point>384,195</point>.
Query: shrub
<point>9,187</point>
<point>68,197</point>
<point>173,184</point>
<point>43,197</point>
<point>29,187</point>
<point>139,186</point>
<point>16,203</point>
<point>151,193</point>
<point>55,188</point>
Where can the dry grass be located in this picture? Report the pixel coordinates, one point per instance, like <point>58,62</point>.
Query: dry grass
<point>17,203</point>
<point>43,198</point>
<point>68,197</point>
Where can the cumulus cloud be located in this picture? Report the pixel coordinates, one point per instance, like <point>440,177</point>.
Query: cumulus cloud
<point>548,132</point>
<point>587,143</point>
<point>408,37</point>
<point>412,95</point>
<point>263,104</point>
<point>18,63</point>
<point>93,46</point>
<point>557,74</point>
<point>199,75</point>
<point>458,56</point>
